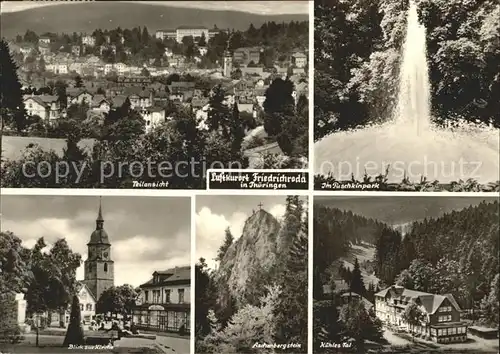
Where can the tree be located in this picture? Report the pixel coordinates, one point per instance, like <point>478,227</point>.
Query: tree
<point>203,41</point>
<point>250,325</point>
<point>41,65</point>
<point>60,91</point>
<point>118,300</point>
<point>228,241</point>
<point>360,324</point>
<point>489,304</point>
<point>54,277</point>
<point>237,132</point>
<point>291,308</point>
<point>419,276</point>
<point>74,334</point>
<point>78,81</point>
<point>413,316</point>
<point>11,99</point>
<point>357,285</point>
<point>204,299</point>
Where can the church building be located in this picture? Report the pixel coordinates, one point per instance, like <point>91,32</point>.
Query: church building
<point>99,267</point>
<point>98,275</point>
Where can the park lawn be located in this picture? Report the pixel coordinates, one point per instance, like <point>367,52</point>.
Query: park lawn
<point>53,344</point>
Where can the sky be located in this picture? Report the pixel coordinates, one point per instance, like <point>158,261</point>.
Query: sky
<point>146,233</point>
<point>215,213</point>
<point>400,209</point>
<point>258,7</point>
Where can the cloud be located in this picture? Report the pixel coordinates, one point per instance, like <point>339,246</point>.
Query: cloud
<point>136,258</point>
<point>278,211</point>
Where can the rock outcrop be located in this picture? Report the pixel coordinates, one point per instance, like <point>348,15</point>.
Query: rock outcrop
<point>255,251</point>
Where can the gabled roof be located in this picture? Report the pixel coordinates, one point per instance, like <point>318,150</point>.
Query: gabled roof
<point>431,302</point>
<point>170,276</point>
<point>44,100</point>
<point>118,100</point>
<point>138,91</point>
<point>76,91</point>
<point>87,289</point>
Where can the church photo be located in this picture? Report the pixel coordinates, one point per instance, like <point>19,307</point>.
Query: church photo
<point>122,263</point>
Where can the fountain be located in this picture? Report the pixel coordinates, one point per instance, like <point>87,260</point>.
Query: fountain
<point>408,143</point>
<point>413,105</point>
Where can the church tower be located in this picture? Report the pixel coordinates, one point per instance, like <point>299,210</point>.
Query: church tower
<point>228,64</point>
<point>99,268</point>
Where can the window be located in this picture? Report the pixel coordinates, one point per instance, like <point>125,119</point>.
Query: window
<point>89,307</point>
<point>167,296</point>
<point>445,309</point>
<point>445,318</point>
<point>440,332</point>
<point>105,267</point>
<point>146,296</point>
<point>453,331</point>
<point>181,296</point>
<point>81,307</point>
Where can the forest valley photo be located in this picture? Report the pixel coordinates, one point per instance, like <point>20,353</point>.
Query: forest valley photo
<point>407,94</point>
<point>258,292</point>
<point>454,255</point>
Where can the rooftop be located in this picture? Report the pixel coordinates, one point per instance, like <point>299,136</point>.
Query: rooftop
<point>169,276</point>
<point>431,302</point>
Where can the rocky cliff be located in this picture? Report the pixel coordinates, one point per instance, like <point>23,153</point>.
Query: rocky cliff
<point>251,255</point>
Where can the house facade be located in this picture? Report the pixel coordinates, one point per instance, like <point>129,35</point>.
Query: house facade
<point>440,320</point>
<point>87,308</point>
<point>299,60</point>
<point>164,302</point>
<point>46,107</point>
<point>79,96</point>
<point>153,116</point>
<point>191,31</point>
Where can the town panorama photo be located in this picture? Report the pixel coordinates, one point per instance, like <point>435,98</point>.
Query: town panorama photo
<point>151,94</point>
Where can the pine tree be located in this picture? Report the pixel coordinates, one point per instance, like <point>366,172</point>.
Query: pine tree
<point>74,334</point>
<point>228,241</point>
<point>78,81</point>
<point>291,310</point>
<point>357,285</point>
<point>11,99</point>
<point>237,131</point>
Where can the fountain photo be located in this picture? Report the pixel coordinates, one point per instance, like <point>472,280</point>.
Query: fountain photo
<point>407,95</point>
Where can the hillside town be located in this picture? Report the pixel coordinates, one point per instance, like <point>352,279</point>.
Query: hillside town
<point>95,79</point>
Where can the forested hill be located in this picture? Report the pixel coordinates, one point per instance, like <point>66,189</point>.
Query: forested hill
<point>456,253</point>
<point>335,230</point>
<point>88,16</point>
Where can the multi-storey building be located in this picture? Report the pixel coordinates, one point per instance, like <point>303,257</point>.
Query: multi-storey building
<point>166,34</point>
<point>246,55</point>
<point>79,96</point>
<point>46,107</point>
<point>191,31</point>
<point>299,59</point>
<point>186,31</point>
<point>88,40</point>
<point>440,320</point>
<point>164,301</point>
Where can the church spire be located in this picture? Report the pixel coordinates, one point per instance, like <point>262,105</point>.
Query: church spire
<point>99,215</point>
